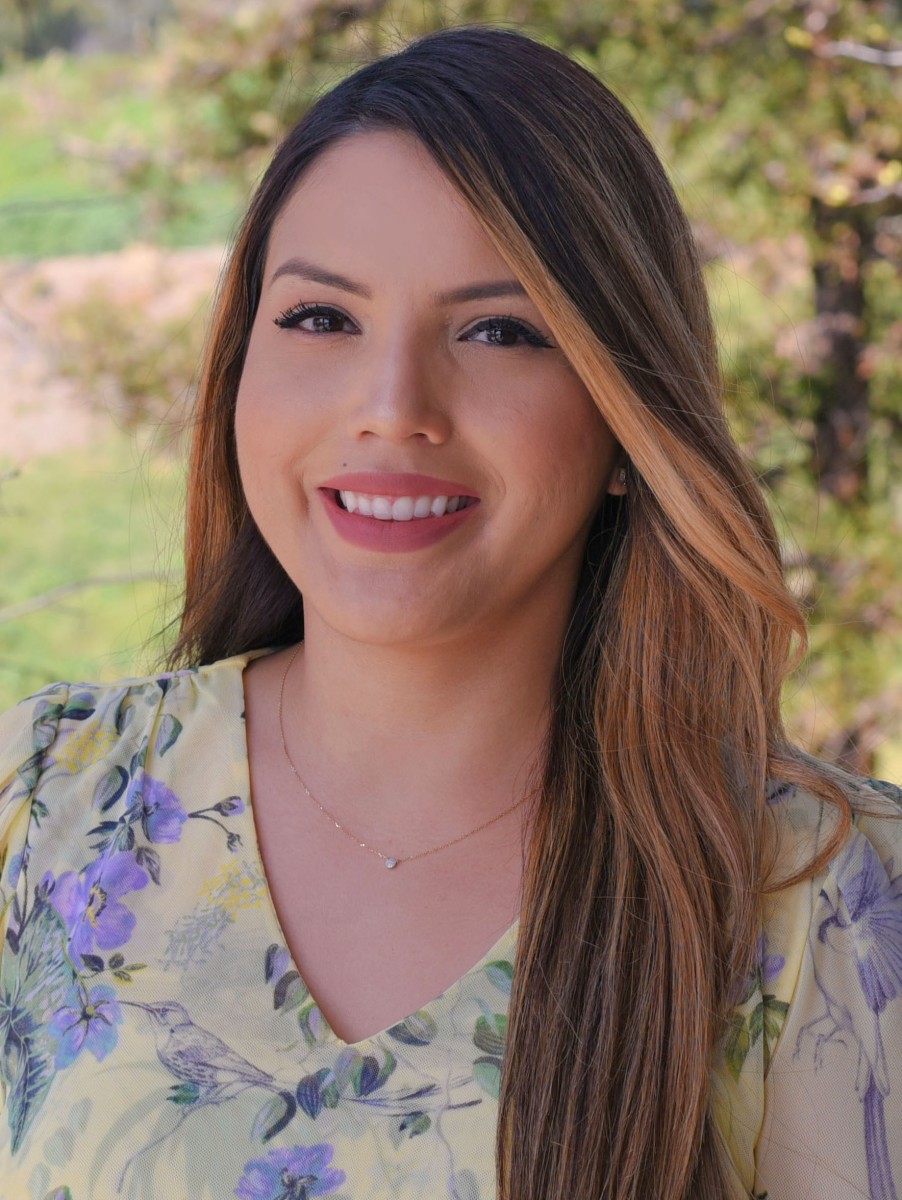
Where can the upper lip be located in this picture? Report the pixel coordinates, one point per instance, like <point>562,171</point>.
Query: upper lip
<point>397,483</point>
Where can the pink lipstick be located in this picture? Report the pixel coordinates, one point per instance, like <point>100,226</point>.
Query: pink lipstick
<point>395,511</point>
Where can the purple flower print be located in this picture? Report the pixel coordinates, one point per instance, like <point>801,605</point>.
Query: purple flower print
<point>85,1021</point>
<point>159,809</point>
<point>89,902</point>
<point>770,964</point>
<point>296,1173</point>
<point>766,969</point>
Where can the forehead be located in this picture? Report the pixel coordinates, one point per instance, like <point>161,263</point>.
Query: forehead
<point>377,202</point>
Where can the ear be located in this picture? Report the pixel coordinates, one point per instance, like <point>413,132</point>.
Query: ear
<point>617,483</point>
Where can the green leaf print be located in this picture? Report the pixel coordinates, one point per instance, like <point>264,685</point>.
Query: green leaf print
<point>310,1093</point>
<point>45,722</point>
<point>124,714</point>
<point>737,1043</point>
<point>33,984</point>
<point>368,1076</point>
<point>416,1030</point>
<point>111,786</point>
<point>272,1118</point>
<point>59,1193</point>
<point>79,708</point>
<point>774,1015</point>
<point>501,974</point>
<point>30,770</point>
<point>490,1036</point>
<point>743,1032</point>
<point>313,1027</point>
<point>414,1123</point>
<point>487,1072</point>
<point>138,758</point>
<point>290,991</point>
<point>184,1093</point>
<point>167,734</point>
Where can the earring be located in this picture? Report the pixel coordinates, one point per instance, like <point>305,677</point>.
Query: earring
<point>621,476</point>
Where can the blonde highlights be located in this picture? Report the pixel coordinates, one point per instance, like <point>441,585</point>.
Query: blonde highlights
<point>650,846</point>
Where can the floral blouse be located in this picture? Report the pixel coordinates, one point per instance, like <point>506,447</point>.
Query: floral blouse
<point>157,1040</point>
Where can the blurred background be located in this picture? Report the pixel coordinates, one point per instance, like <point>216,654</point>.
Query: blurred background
<point>131,135</point>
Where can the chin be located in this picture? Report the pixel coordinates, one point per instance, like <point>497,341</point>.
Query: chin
<point>393,622</point>
<point>394,632</point>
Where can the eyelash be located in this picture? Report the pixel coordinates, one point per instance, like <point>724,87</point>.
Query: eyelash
<point>292,317</point>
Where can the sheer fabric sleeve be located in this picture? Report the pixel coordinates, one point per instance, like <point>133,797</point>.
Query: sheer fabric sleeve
<point>833,1091</point>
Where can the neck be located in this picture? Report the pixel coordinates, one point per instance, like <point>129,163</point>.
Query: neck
<point>431,738</point>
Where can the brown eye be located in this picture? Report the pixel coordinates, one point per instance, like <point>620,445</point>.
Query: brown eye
<point>507,332</point>
<point>322,318</point>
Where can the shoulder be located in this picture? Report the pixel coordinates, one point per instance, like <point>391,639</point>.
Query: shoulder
<point>863,875</point>
<point>72,752</point>
<point>70,736</point>
<point>828,974</point>
<point>832,980</point>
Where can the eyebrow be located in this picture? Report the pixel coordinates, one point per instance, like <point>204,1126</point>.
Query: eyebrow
<point>473,291</point>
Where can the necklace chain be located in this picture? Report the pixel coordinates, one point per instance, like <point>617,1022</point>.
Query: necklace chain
<point>389,860</point>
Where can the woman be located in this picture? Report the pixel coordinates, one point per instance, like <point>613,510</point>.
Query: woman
<point>460,395</point>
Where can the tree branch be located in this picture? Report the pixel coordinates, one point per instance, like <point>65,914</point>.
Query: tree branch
<point>47,599</point>
<point>865,54</point>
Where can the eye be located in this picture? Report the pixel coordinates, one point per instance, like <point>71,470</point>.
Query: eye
<point>508,332</point>
<point>325,318</point>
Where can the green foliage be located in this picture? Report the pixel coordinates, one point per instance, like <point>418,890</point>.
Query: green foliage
<point>86,147</point>
<point>146,367</point>
<point>111,514</point>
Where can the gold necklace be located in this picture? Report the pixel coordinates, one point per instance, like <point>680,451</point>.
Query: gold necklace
<point>390,862</point>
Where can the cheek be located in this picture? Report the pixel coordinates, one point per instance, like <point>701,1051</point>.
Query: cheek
<point>561,450</point>
<point>264,449</point>
<point>266,414</point>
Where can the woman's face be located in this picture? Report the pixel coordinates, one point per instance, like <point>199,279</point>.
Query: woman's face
<point>395,360</point>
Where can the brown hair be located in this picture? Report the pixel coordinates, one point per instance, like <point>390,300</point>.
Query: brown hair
<point>648,851</point>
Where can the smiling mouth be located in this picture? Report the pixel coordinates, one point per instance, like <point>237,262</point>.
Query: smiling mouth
<point>400,508</point>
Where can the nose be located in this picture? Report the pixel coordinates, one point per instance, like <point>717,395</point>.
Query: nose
<point>401,394</point>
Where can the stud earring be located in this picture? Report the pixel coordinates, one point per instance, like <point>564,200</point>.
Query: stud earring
<point>621,476</point>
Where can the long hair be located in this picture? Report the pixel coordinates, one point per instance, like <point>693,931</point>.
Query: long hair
<point>649,848</point>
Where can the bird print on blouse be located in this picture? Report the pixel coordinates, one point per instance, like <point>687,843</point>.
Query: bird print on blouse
<point>864,932</point>
<point>156,1037</point>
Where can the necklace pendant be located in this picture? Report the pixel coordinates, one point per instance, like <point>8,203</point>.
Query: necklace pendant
<point>391,863</point>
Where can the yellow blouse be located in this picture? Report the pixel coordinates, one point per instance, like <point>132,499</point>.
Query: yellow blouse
<point>157,1040</point>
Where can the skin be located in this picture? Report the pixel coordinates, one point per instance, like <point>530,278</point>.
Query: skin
<point>421,696</point>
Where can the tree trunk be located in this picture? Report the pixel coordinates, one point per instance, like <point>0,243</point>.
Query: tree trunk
<point>841,390</point>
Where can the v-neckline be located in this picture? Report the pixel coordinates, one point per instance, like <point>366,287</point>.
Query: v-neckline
<point>505,942</point>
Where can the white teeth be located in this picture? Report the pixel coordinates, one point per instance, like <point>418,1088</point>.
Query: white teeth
<point>402,508</point>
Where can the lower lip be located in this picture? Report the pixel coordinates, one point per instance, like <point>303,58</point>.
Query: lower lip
<point>391,536</point>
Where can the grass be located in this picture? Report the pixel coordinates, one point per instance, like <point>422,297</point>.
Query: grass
<point>108,512</point>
